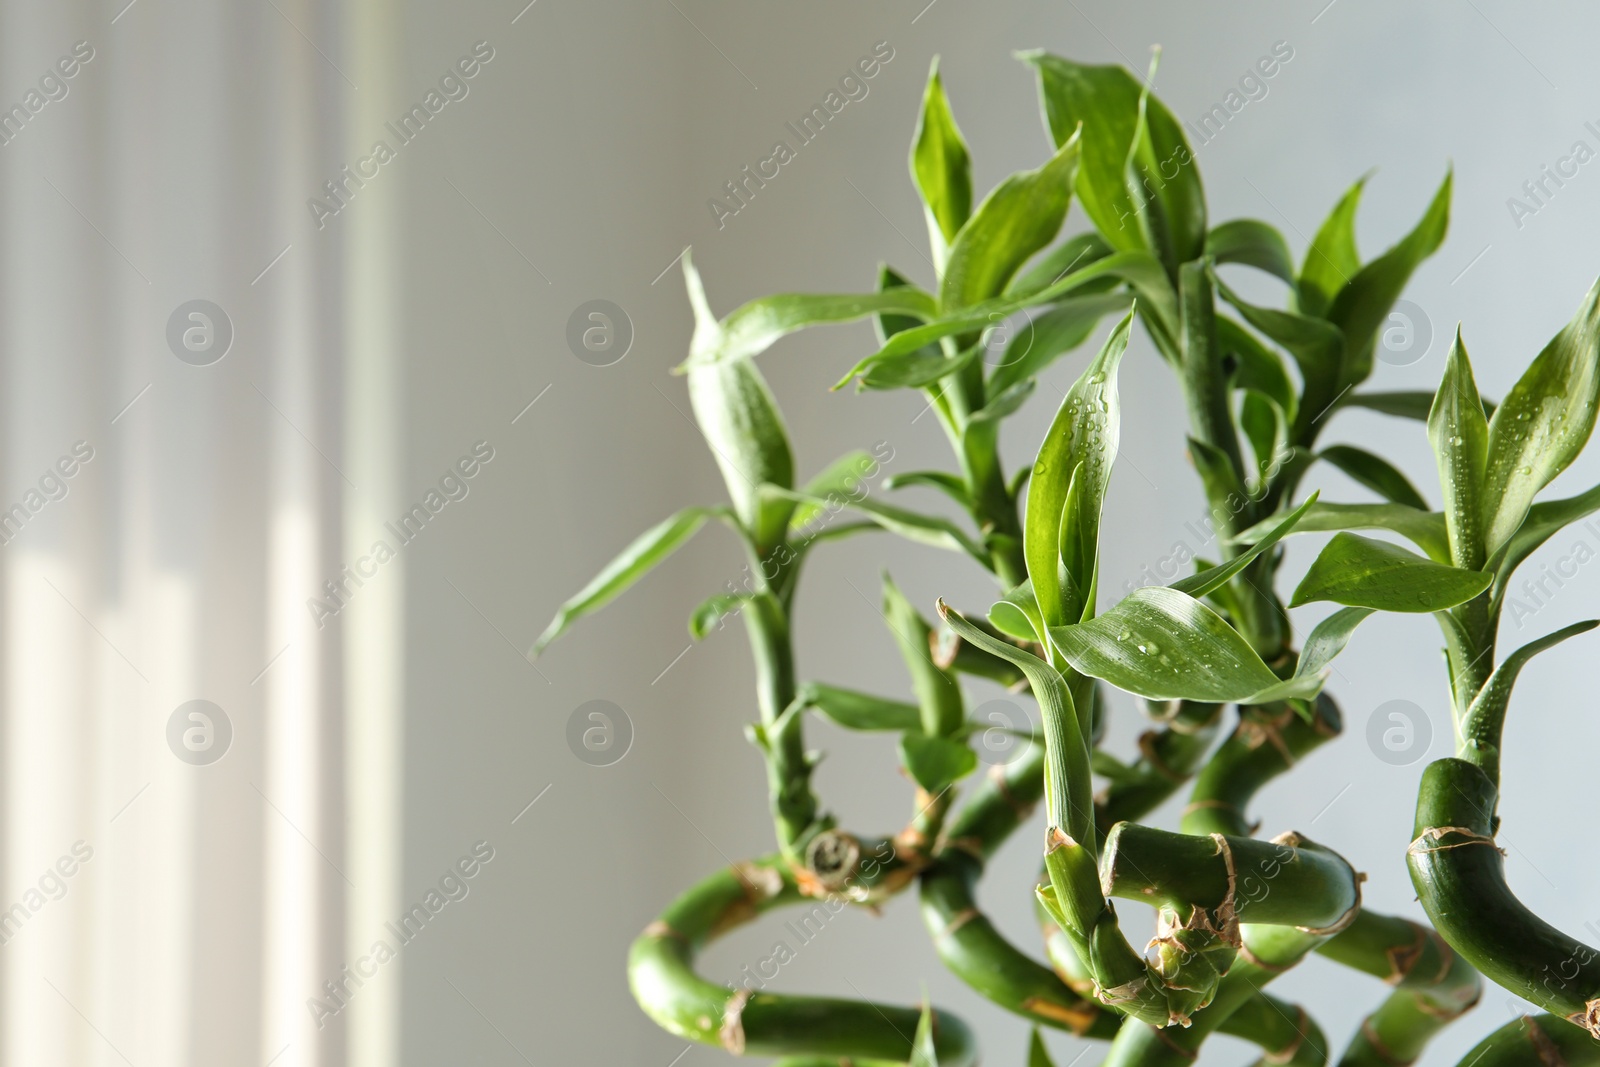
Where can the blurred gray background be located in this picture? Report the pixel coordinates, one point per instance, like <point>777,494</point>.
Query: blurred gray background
<point>374,747</point>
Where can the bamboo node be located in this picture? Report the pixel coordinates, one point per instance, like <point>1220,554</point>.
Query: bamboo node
<point>1227,912</point>
<point>1428,840</point>
<point>1075,1017</point>
<point>1589,1018</point>
<point>1289,1051</point>
<point>732,1033</point>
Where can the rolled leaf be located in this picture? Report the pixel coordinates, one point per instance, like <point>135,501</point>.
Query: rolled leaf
<point>1105,100</point>
<point>1485,717</point>
<point>1459,434</point>
<point>941,168</point>
<point>709,615</point>
<point>938,692</point>
<point>1543,423</point>
<point>1083,439</point>
<point>635,561</point>
<point>1363,573</point>
<point>1328,638</point>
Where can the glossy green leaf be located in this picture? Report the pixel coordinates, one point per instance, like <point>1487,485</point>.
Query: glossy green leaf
<point>1163,644</point>
<point>1328,638</point>
<point>941,168</point>
<point>1017,614</point>
<point>634,562</point>
<point>947,483</point>
<point>938,692</point>
<point>712,610</point>
<point>935,763</point>
<point>1082,438</point>
<point>1459,434</point>
<point>741,423</point>
<point>1021,216</point>
<point>1003,403</point>
<point>858,711</point>
<point>1263,425</point>
<point>1376,473</point>
<point>1069,785</point>
<point>1331,260</point>
<point>1363,573</point>
<point>919,369</point>
<point>1105,100</point>
<point>1038,1055</point>
<point>1253,243</point>
<point>1037,344</point>
<point>1425,529</point>
<point>1202,583</point>
<point>1076,252</point>
<point>1543,423</point>
<point>836,485</point>
<point>1363,305</point>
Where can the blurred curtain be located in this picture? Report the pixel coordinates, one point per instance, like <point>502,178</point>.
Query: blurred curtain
<point>158,906</point>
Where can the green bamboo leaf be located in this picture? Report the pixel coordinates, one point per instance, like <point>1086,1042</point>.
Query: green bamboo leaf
<point>1038,1055</point>
<point>1003,403</point>
<point>634,562</point>
<point>742,424</point>
<point>1327,639</point>
<point>837,484</point>
<point>919,369</point>
<point>1106,101</point>
<point>1163,644</point>
<point>1018,218</point>
<point>1076,252</point>
<point>1158,307</point>
<point>949,484</point>
<point>858,711</point>
<point>1069,785</point>
<point>1376,473</point>
<point>1164,183</point>
<point>1083,438</point>
<point>1253,243</point>
<point>753,328</point>
<point>1364,303</point>
<point>941,168</point>
<point>1204,582</point>
<point>1404,403</point>
<point>1061,329</point>
<point>1362,573</point>
<point>936,763</point>
<point>1543,423</point>
<point>922,1047</point>
<point>1265,427</point>
<point>1258,368</point>
<point>1459,434</point>
<point>1488,709</point>
<point>938,692</point>
<point>1331,260</point>
<point>924,529</point>
<point>1545,519</point>
<point>712,610</point>
<point>1017,614</point>
<point>1317,347</point>
<point>1425,529</point>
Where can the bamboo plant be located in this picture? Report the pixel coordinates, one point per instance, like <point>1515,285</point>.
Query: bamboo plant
<point>1234,691</point>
